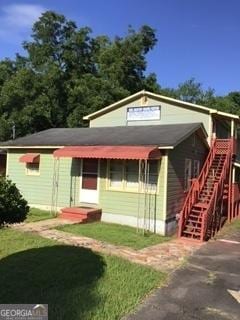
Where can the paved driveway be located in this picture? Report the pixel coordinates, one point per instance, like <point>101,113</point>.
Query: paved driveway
<point>198,291</point>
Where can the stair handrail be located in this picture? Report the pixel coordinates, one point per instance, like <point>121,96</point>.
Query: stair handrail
<point>217,192</point>
<point>207,164</point>
<point>209,212</point>
<point>188,203</point>
<point>195,188</point>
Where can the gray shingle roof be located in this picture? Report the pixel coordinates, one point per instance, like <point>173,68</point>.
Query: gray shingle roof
<point>160,135</point>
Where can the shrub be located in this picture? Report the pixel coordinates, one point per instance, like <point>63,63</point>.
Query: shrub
<point>13,207</point>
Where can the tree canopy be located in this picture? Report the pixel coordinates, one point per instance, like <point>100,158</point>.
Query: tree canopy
<point>67,73</point>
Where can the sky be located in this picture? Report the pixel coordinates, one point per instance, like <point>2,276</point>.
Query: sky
<point>196,38</point>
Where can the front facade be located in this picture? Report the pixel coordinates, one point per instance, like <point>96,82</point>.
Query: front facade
<point>110,165</point>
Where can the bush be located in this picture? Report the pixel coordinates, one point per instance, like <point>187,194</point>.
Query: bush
<point>13,207</point>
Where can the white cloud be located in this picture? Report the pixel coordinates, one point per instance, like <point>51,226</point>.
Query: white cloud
<point>16,21</point>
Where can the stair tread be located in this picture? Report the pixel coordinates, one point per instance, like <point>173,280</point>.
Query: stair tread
<point>194,221</point>
<point>191,232</point>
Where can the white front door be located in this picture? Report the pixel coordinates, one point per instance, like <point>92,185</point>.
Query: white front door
<point>89,181</point>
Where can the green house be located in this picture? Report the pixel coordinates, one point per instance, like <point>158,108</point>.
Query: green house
<point>139,162</point>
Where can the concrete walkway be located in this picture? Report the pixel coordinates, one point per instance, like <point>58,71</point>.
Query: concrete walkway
<point>164,257</point>
<point>199,291</point>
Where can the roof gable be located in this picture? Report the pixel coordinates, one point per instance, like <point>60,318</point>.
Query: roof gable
<point>158,97</point>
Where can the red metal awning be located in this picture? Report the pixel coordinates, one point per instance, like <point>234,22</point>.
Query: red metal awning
<point>30,158</point>
<point>110,152</point>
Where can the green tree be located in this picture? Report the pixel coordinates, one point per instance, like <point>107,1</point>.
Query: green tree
<point>67,73</point>
<point>123,61</point>
<point>192,91</point>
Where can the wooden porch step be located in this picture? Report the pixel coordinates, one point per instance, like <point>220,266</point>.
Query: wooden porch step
<point>72,217</point>
<point>193,226</point>
<point>206,193</point>
<point>81,214</point>
<point>191,220</point>
<point>205,199</point>
<point>192,234</point>
<point>201,205</point>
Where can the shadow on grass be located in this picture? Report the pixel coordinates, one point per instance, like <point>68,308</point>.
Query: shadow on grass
<point>65,277</point>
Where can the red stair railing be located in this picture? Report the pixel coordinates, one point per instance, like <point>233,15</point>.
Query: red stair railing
<point>217,191</point>
<point>195,189</point>
<point>198,184</point>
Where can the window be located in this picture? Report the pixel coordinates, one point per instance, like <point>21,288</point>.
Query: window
<point>89,174</point>
<point>187,174</point>
<point>116,174</point>
<point>153,175</point>
<point>132,174</point>
<point>196,168</point>
<point>124,175</point>
<point>32,169</point>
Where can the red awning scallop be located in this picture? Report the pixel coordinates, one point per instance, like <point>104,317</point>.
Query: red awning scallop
<point>110,152</point>
<point>30,158</point>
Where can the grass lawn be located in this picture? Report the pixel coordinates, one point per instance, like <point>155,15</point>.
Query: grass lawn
<point>229,228</point>
<point>37,215</point>
<point>115,234</point>
<point>77,283</point>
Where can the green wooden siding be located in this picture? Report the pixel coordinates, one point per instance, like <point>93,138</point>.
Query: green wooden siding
<point>38,189</point>
<point>176,164</point>
<point>126,203</point>
<point>117,117</point>
<point>170,114</point>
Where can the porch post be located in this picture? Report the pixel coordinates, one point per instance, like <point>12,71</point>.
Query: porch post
<point>210,130</point>
<point>214,133</point>
<point>232,128</point>
<point>233,174</point>
<point>233,192</point>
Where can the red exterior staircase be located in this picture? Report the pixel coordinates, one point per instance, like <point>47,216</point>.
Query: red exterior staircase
<point>209,196</point>
<point>81,214</point>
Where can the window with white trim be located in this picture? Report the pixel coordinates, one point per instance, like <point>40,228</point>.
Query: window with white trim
<point>124,175</point>
<point>32,169</point>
